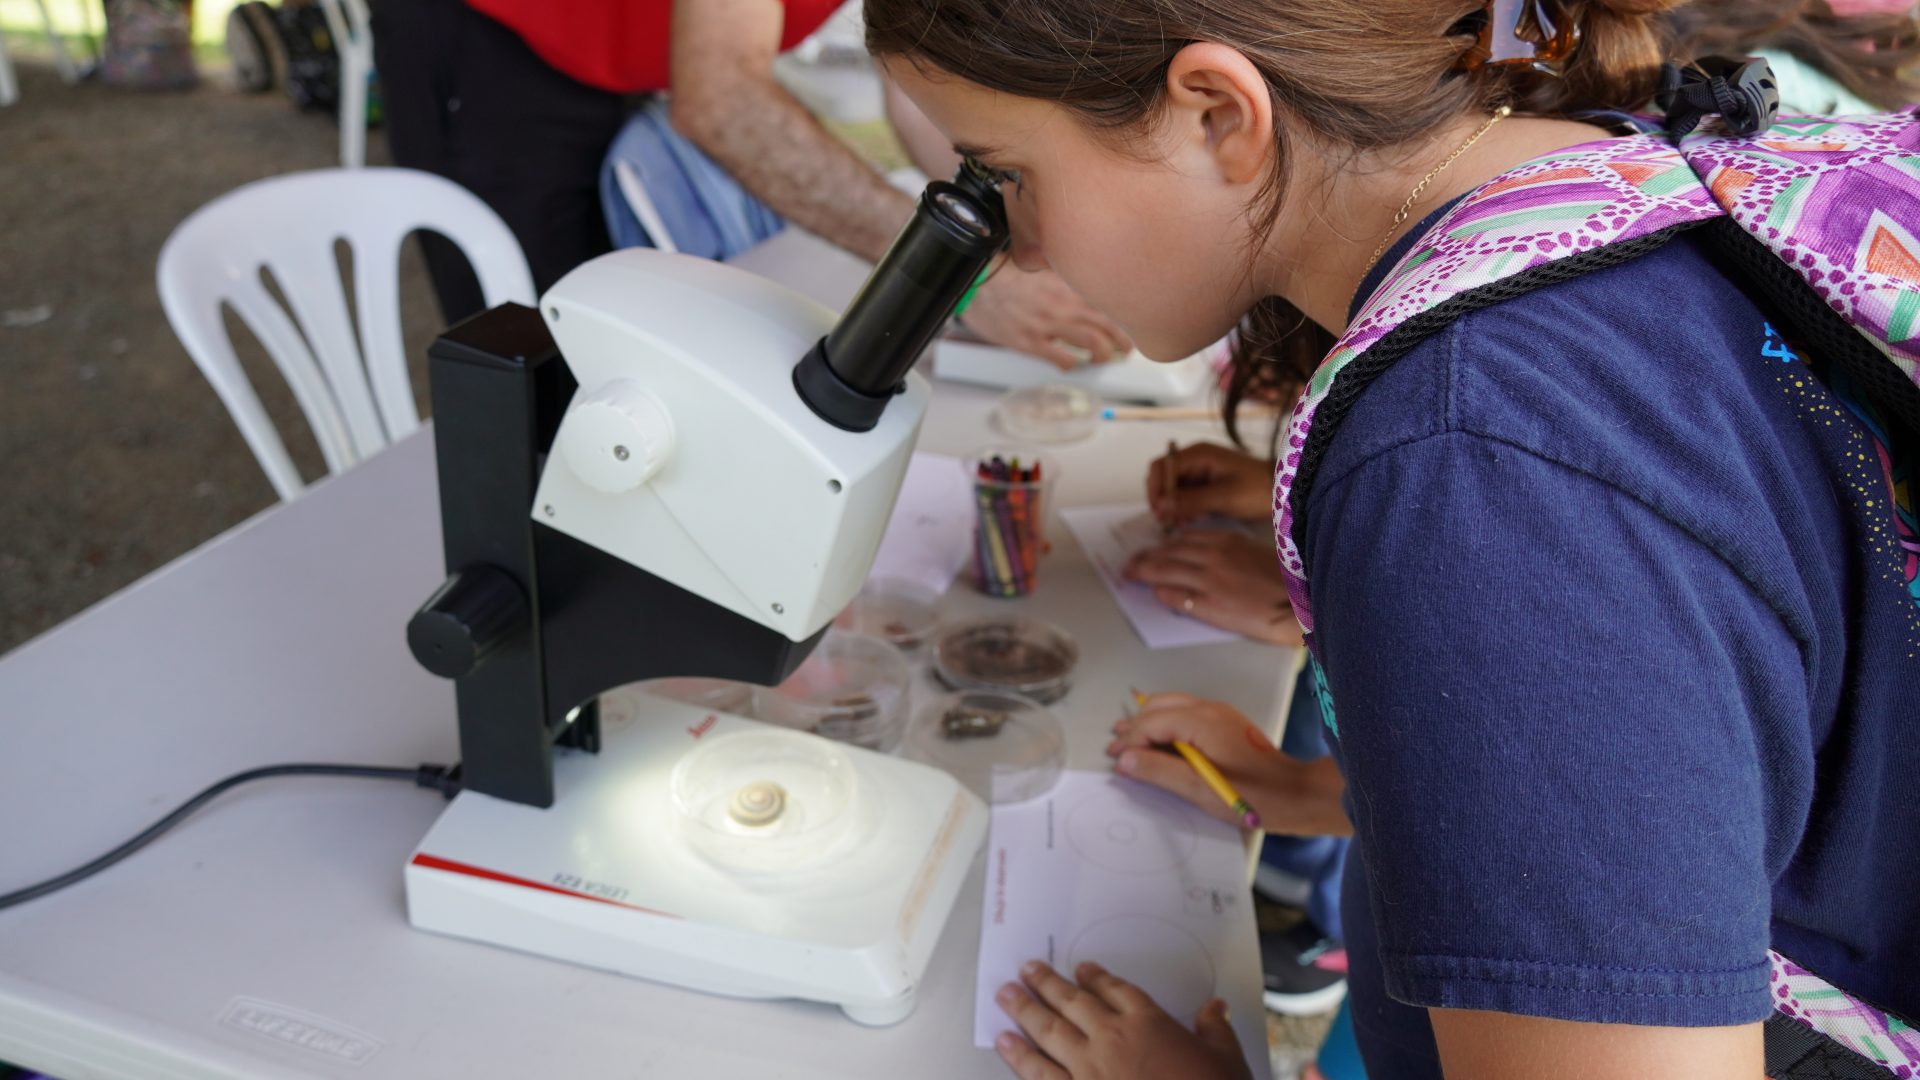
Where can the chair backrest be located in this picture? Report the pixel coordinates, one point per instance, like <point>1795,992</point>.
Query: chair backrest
<point>9,84</point>
<point>350,26</point>
<point>69,71</point>
<point>353,387</point>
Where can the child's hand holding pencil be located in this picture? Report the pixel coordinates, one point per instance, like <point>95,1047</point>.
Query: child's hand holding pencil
<point>1252,785</point>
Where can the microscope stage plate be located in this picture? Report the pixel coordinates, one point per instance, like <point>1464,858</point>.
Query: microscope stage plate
<point>613,875</point>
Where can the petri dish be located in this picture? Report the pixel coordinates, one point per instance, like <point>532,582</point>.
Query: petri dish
<point>1048,413</point>
<point>1021,656</point>
<point>852,689</point>
<point>1005,748</point>
<point>899,611</point>
<point>714,695</point>
<point>766,802</point>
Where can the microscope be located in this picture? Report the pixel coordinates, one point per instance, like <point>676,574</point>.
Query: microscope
<point>676,468</point>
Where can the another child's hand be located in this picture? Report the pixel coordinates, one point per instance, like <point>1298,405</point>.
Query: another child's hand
<point>1224,578</point>
<point>1037,313</point>
<point>1210,479</point>
<point>1298,798</point>
<point>1106,1028</point>
<point>1142,747</point>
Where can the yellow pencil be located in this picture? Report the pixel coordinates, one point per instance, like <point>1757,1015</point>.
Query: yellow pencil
<point>1218,783</point>
<point>1234,800</point>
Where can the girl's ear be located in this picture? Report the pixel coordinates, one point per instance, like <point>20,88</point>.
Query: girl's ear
<point>1217,101</point>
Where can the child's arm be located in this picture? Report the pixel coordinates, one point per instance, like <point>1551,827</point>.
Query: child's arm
<point>1498,1046</point>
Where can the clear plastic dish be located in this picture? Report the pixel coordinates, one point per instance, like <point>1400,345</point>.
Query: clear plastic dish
<point>1020,656</point>
<point>766,802</point>
<point>853,688</point>
<point>715,695</point>
<point>1003,747</point>
<point>1048,413</point>
<point>899,611</point>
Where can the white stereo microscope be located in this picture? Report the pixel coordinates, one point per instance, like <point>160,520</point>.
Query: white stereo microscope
<point>677,468</point>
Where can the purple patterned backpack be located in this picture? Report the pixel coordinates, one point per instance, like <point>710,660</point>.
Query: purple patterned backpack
<point>1819,216</point>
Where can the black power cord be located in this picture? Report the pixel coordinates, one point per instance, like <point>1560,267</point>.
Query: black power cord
<point>442,778</point>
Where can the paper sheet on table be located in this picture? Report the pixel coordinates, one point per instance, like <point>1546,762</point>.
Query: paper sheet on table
<point>1110,536</point>
<point>928,536</point>
<point>1110,870</point>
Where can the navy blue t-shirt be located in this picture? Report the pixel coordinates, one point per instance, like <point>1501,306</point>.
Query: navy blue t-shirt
<point>1623,659</point>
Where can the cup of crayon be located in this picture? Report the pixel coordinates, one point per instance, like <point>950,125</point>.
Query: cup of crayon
<point>1010,505</point>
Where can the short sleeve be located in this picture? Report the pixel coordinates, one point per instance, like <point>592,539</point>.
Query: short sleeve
<point>1544,695</point>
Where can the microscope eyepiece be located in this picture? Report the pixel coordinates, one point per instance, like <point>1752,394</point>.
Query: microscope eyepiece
<point>848,377</point>
<point>964,212</point>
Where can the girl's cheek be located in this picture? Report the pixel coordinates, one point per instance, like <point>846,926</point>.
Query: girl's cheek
<point>1025,248</point>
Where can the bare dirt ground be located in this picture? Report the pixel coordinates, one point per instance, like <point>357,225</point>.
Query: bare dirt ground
<point>115,456</point>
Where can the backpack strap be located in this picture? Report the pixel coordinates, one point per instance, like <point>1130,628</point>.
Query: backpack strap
<point>1830,1021</point>
<point>1820,227</point>
<point>1549,220</point>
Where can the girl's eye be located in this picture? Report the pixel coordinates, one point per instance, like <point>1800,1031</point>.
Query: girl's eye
<point>995,175</point>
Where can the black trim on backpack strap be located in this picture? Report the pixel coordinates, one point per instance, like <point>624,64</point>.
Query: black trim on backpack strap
<point>1354,379</point>
<point>1806,320</point>
<point>1797,1052</point>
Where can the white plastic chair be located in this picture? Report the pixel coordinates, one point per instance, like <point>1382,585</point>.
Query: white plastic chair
<point>352,33</point>
<point>353,389</point>
<point>9,86</point>
<point>62,60</point>
<point>69,71</point>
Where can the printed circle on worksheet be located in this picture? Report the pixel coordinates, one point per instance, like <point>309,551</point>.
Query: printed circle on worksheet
<point>1133,835</point>
<point>1156,955</point>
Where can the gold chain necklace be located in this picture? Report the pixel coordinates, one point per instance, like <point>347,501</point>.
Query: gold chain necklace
<point>1406,208</point>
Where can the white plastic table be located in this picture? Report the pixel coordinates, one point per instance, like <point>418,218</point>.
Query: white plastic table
<point>267,935</point>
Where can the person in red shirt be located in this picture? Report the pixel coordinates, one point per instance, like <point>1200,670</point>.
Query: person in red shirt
<point>519,100</point>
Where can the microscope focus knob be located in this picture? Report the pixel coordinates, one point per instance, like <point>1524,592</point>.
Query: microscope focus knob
<point>475,612</point>
<point>617,437</point>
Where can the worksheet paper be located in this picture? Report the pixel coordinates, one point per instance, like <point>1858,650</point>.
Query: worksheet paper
<point>930,534</point>
<point>1113,534</point>
<point>1107,869</point>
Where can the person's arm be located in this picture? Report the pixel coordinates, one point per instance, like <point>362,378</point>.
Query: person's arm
<point>929,150</point>
<point>1030,310</point>
<point>725,99</point>
<point>1502,1046</point>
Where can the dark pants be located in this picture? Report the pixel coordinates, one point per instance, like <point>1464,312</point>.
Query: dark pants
<point>467,99</point>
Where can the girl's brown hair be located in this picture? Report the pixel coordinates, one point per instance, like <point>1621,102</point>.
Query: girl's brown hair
<point>1873,54</point>
<point>1365,75</point>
